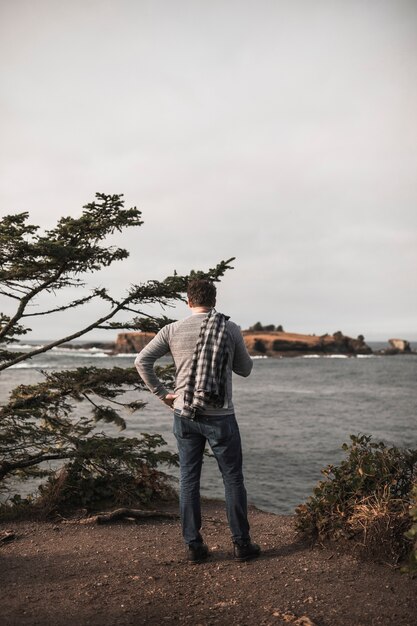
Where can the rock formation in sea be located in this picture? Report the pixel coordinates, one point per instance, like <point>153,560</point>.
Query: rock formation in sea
<point>402,345</point>
<point>398,346</point>
<point>268,343</point>
<point>129,343</point>
<point>294,344</point>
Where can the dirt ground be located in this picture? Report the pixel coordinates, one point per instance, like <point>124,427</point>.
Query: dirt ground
<point>136,573</point>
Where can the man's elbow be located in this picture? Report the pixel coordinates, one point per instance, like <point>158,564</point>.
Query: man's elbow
<point>247,371</point>
<point>139,363</point>
<point>244,371</point>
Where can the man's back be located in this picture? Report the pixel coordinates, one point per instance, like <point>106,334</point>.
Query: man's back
<point>180,338</point>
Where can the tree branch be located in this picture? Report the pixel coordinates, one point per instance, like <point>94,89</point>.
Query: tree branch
<point>17,286</point>
<point>9,295</point>
<point>6,467</point>
<point>87,397</point>
<point>26,299</point>
<point>59,342</point>
<point>64,307</point>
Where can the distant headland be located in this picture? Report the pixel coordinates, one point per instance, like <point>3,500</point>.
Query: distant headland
<point>270,341</point>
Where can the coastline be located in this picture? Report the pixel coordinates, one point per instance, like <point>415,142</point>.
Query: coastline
<point>84,348</point>
<point>275,344</point>
<point>136,573</point>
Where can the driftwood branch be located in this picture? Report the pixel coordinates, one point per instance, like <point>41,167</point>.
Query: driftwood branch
<point>7,535</point>
<point>123,513</point>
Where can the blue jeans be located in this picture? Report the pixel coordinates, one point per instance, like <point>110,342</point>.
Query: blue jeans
<point>222,433</point>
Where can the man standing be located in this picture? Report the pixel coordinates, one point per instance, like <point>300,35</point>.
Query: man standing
<point>206,347</point>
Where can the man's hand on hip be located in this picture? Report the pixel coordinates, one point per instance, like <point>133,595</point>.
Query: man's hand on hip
<point>169,399</point>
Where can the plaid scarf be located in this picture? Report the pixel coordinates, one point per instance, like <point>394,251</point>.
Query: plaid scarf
<point>206,384</point>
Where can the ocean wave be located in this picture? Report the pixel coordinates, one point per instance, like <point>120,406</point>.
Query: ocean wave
<point>325,356</point>
<point>56,361</point>
<point>78,351</point>
<point>32,366</point>
<point>61,350</point>
<point>259,356</point>
<point>27,346</point>
<point>82,354</point>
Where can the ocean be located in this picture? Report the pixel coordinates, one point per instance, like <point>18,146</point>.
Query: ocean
<point>294,414</point>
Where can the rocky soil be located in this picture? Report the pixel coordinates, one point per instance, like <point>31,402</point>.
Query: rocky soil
<point>128,573</point>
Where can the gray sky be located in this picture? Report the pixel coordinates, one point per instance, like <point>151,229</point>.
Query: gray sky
<point>280,132</point>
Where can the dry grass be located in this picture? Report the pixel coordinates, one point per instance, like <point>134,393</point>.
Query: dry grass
<point>380,521</point>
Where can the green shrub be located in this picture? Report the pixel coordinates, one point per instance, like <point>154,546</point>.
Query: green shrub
<point>365,498</point>
<point>107,472</point>
<point>78,486</point>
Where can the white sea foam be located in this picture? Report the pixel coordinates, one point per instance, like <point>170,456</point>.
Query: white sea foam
<point>61,349</point>
<point>259,356</point>
<point>325,356</point>
<point>95,355</point>
<point>55,363</point>
<point>26,346</point>
<point>32,366</point>
<point>77,351</point>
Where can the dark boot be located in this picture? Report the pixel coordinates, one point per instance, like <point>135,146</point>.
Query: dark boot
<point>197,553</point>
<point>246,551</point>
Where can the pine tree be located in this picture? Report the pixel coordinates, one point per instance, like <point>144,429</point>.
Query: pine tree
<point>38,424</point>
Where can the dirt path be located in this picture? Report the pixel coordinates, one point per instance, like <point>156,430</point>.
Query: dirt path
<point>128,573</point>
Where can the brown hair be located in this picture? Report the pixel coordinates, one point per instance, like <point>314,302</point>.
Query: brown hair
<point>201,292</point>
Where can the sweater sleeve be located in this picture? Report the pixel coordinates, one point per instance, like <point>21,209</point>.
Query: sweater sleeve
<point>242,363</point>
<point>145,360</point>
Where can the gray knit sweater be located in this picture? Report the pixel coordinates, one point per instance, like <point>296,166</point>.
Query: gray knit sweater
<point>180,338</point>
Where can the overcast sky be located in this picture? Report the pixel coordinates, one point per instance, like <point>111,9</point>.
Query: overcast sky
<point>282,132</point>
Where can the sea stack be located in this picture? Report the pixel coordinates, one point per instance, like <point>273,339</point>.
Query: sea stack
<point>399,345</point>
<point>132,342</point>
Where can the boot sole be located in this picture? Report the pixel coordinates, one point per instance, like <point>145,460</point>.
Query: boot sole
<point>246,558</point>
<point>203,560</point>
